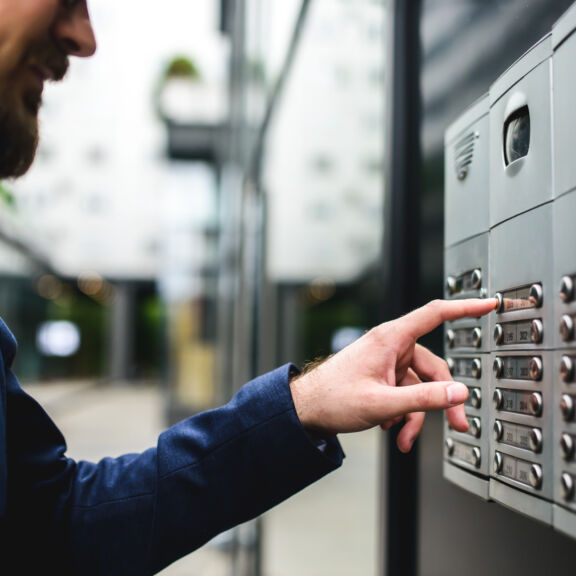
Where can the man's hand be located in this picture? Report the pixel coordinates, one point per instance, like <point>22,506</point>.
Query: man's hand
<point>386,377</point>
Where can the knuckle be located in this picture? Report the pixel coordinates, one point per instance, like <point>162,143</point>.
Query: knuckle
<point>373,332</point>
<point>394,329</point>
<point>377,334</point>
<point>435,306</point>
<point>436,310</point>
<point>424,397</point>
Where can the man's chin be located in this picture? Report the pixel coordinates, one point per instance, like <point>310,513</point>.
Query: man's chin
<point>18,141</point>
<point>32,101</point>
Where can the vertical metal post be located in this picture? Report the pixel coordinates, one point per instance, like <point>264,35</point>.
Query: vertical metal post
<point>399,472</point>
<point>122,336</point>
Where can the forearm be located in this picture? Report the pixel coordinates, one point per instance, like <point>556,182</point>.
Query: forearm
<point>137,514</point>
<point>260,458</point>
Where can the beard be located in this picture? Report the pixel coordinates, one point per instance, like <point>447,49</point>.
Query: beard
<point>19,114</point>
<point>18,137</point>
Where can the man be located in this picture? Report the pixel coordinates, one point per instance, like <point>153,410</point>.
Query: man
<point>136,514</point>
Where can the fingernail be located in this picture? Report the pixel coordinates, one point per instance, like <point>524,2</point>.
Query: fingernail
<point>456,393</point>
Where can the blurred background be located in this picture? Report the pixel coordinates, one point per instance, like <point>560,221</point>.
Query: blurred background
<point>231,185</point>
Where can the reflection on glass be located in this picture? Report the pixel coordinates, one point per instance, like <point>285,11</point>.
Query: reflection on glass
<point>517,135</point>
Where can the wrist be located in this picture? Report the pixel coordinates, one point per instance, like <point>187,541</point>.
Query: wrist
<point>305,405</point>
<point>299,400</point>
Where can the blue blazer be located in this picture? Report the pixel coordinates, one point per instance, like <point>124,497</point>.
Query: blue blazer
<point>136,514</point>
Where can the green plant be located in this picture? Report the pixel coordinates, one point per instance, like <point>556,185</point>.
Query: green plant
<point>179,67</point>
<point>182,67</point>
<point>7,197</point>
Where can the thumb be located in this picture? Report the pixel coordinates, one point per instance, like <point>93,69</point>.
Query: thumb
<point>423,397</point>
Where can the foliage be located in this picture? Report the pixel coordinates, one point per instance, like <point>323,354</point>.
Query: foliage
<point>7,197</point>
<point>182,67</point>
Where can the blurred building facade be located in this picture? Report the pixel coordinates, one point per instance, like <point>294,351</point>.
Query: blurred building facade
<point>234,194</point>
<point>100,197</point>
<point>208,204</point>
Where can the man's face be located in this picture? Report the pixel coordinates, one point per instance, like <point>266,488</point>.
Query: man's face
<point>36,39</point>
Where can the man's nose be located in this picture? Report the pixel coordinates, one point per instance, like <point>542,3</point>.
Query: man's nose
<point>73,31</point>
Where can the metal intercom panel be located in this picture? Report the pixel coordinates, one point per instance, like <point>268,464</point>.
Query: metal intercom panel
<point>466,203</point>
<point>564,89</point>
<point>520,361</point>
<point>520,122</point>
<point>521,391</point>
<point>466,271</point>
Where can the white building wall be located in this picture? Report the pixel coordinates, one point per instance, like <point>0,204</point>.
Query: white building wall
<point>95,194</point>
<point>324,163</point>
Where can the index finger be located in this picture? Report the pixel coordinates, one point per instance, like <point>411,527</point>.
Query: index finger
<point>425,319</point>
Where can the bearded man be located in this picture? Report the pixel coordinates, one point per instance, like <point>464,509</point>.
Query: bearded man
<point>136,514</point>
<point>36,40</point>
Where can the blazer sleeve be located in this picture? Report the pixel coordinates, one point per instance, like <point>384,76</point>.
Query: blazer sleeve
<point>138,513</point>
